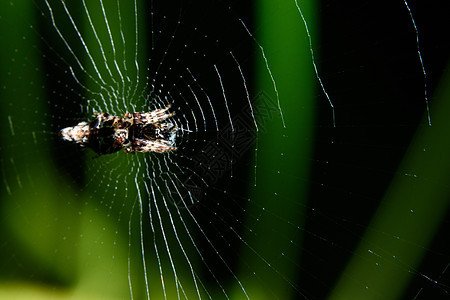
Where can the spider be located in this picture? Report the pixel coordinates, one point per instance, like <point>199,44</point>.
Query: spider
<point>141,132</point>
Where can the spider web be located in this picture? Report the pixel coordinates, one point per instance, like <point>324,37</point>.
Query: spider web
<point>261,199</point>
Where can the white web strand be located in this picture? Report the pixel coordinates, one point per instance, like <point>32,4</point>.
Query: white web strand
<point>207,97</point>
<point>69,48</point>
<point>419,55</point>
<point>261,48</point>
<point>105,61</point>
<point>224,97</point>
<point>313,60</point>
<point>136,47</point>
<point>141,232</point>
<point>111,38</point>
<point>244,82</point>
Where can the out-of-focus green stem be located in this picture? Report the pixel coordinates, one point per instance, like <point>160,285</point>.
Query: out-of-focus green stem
<point>410,214</point>
<point>283,155</point>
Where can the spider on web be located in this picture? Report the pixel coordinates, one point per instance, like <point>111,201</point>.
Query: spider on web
<point>141,132</point>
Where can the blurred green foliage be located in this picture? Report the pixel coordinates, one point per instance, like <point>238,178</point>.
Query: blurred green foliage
<point>413,209</point>
<point>282,35</point>
<point>46,236</point>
